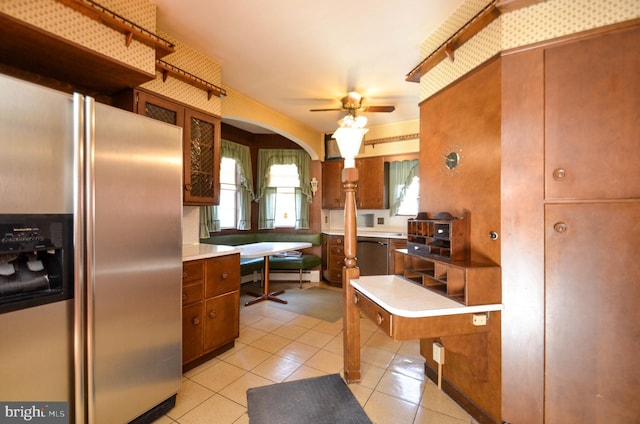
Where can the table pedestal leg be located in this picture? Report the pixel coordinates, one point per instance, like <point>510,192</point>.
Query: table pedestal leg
<point>259,297</point>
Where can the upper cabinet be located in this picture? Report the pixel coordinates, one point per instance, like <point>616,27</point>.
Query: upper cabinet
<point>592,139</point>
<point>201,159</point>
<point>201,143</point>
<point>332,192</point>
<point>371,192</point>
<point>373,181</point>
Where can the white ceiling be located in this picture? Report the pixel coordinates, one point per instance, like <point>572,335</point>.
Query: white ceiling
<point>296,55</point>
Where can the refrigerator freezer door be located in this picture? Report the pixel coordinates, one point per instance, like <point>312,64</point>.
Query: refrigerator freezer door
<point>35,173</point>
<point>134,267</point>
<point>35,149</point>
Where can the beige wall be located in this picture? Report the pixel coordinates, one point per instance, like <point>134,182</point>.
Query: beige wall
<point>543,21</point>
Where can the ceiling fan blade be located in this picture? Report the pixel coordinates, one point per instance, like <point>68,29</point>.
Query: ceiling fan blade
<point>378,108</point>
<point>324,110</point>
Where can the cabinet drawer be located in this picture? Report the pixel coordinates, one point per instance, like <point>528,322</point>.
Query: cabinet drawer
<point>191,293</point>
<point>336,241</point>
<point>223,275</point>
<point>336,262</point>
<point>337,250</point>
<point>335,275</point>
<point>192,271</point>
<point>375,313</point>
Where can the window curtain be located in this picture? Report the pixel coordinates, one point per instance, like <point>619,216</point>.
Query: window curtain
<point>267,195</point>
<point>401,173</point>
<point>209,221</point>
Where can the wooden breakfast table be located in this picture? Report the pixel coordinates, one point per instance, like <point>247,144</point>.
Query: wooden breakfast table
<point>266,249</point>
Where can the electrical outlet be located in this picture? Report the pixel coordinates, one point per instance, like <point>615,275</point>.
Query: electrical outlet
<point>438,353</point>
<point>380,221</point>
<point>479,319</point>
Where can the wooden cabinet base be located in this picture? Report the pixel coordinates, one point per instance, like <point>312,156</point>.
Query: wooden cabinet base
<point>204,358</point>
<point>210,307</point>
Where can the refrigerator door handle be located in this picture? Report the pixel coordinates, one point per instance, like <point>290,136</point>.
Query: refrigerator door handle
<point>79,267</point>
<point>89,254</point>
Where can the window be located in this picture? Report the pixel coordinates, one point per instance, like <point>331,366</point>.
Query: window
<point>228,207</point>
<point>277,186</point>
<point>410,203</point>
<point>285,179</point>
<point>404,186</point>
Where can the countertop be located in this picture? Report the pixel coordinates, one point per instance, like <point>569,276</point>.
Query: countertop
<point>404,298</point>
<point>365,233</point>
<point>193,251</point>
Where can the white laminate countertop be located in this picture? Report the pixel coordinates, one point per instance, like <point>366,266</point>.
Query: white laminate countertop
<point>404,298</point>
<point>193,251</point>
<point>266,248</point>
<point>364,233</point>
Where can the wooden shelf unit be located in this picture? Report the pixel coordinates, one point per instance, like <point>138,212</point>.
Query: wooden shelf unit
<point>463,281</point>
<point>443,236</point>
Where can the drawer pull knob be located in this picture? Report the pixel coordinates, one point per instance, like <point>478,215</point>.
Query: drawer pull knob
<point>184,275</point>
<point>184,296</point>
<point>560,227</point>
<point>355,299</point>
<point>195,321</point>
<point>379,319</point>
<point>212,314</point>
<point>224,275</point>
<point>559,174</point>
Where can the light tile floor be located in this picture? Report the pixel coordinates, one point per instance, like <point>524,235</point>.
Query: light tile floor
<point>277,345</point>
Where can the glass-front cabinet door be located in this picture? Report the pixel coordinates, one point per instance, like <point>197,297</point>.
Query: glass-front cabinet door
<point>201,158</point>
<point>201,146</point>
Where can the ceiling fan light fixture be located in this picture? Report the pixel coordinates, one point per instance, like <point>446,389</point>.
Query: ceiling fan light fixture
<point>349,137</point>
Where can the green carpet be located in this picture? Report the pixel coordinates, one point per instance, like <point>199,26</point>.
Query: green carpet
<point>316,302</point>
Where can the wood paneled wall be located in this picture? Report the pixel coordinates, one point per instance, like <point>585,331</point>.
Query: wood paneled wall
<point>467,115</point>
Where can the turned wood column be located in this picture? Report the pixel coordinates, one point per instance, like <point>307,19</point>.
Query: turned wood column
<point>351,314</point>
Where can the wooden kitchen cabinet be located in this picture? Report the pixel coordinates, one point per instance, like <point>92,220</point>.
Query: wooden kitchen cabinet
<point>371,192</point>
<point>373,177</point>
<point>332,191</point>
<point>571,274</point>
<point>335,259</point>
<point>201,142</point>
<point>211,307</point>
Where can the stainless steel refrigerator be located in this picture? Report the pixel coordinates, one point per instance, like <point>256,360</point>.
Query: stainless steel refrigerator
<point>109,341</point>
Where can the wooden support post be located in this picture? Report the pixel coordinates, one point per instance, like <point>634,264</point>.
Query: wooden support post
<point>351,313</point>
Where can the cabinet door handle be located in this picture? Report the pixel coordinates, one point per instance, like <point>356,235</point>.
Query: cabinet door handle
<point>184,275</point>
<point>212,314</point>
<point>560,227</point>
<point>184,296</point>
<point>224,275</point>
<point>355,299</point>
<point>187,187</point>
<point>195,321</point>
<point>379,319</point>
<point>559,174</point>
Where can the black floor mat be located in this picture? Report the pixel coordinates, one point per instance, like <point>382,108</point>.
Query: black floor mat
<point>317,400</point>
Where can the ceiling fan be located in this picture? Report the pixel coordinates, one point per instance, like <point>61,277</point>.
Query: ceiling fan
<point>353,102</point>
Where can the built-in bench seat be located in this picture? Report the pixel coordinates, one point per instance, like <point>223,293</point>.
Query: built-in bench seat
<point>276,263</point>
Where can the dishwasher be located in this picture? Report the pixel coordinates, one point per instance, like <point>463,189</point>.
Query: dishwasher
<point>373,255</point>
